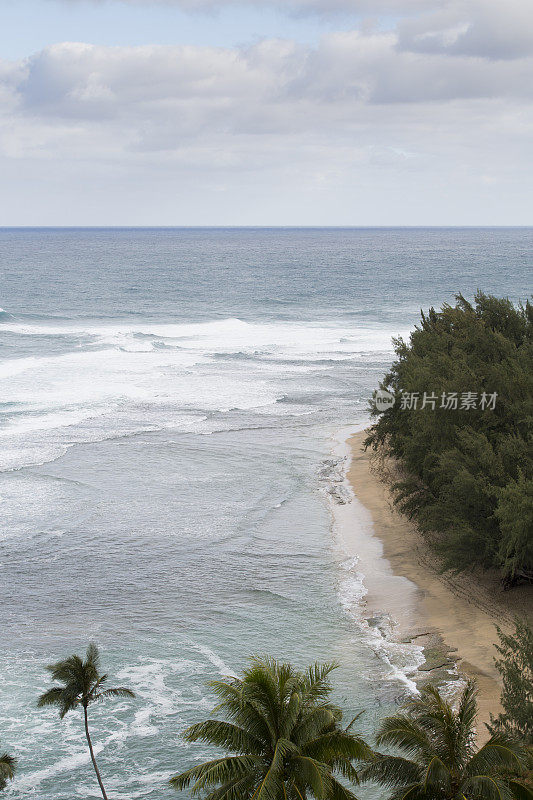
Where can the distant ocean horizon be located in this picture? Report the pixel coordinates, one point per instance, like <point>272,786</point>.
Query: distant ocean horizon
<point>171,405</point>
<point>262,227</point>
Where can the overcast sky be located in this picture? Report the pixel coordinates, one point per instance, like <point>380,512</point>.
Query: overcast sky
<point>301,112</point>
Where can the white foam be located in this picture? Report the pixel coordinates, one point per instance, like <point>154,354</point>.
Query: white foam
<point>134,376</point>
<point>232,335</point>
<point>46,421</point>
<point>15,366</point>
<point>66,764</point>
<point>149,678</point>
<point>400,660</point>
<point>212,657</point>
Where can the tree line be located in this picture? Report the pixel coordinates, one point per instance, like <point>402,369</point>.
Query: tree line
<point>468,464</point>
<point>283,738</point>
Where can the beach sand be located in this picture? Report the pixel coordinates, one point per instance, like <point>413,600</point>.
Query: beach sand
<point>459,611</point>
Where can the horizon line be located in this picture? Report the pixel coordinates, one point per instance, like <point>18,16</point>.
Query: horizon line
<point>261,227</point>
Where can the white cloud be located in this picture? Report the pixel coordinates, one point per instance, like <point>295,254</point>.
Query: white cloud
<point>322,7</point>
<point>412,120</point>
<point>273,86</point>
<point>486,28</point>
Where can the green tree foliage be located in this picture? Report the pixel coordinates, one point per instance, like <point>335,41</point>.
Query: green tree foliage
<point>441,759</point>
<point>8,765</point>
<point>516,668</point>
<point>81,685</point>
<point>514,513</point>
<point>469,472</point>
<point>283,738</point>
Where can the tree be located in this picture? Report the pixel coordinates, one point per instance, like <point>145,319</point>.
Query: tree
<point>515,515</point>
<point>460,430</point>
<point>516,668</point>
<point>8,765</point>
<point>285,734</point>
<point>82,684</point>
<point>442,761</point>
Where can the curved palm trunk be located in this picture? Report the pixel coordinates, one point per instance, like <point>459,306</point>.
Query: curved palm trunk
<point>93,759</point>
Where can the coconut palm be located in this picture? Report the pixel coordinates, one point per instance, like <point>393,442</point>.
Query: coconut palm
<point>82,684</point>
<point>8,765</point>
<point>285,736</point>
<point>443,760</point>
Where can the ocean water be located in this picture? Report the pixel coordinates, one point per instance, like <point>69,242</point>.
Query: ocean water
<point>171,406</point>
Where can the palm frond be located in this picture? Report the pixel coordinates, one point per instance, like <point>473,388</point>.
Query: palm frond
<point>435,716</point>
<point>292,713</point>
<point>52,697</point>
<point>414,792</point>
<point>393,771</point>
<point>487,787</point>
<point>340,792</point>
<point>271,785</point>
<point>236,789</point>
<point>499,753</point>
<point>95,687</point>
<point>225,735</point>
<point>314,774</point>
<point>437,776</point>
<point>241,710</point>
<point>260,689</point>
<point>312,724</point>
<point>345,768</point>
<point>260,681</point>
<point>220,770</point>
<point>401,730</point>
<point>354,720</point>
<point>65,699</point>
<point>464,738</point>
<point>336,745</point>
<point>8,765</point>
<point>520,791</point>
<point>316,683</point>
<point>467,711</point>
<point>116,691</point>
<point>68,670</point>
<point>92,657</point>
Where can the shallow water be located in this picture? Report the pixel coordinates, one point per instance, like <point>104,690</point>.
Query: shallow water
<point>170,402</point>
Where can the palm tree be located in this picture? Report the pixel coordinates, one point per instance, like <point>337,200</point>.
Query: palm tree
<point>443,760</point>
<point>286,736</point>
<point>82,685</point>
<point>8,765</point>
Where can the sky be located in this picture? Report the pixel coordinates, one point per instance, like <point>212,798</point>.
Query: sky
<point>263,112</point>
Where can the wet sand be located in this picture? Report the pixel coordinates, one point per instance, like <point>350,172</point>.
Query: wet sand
<point>459,612</point>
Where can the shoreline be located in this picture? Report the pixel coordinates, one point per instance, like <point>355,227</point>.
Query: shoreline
<point>452,618</point>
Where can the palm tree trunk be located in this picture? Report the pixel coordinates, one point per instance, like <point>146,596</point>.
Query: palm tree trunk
<point>93,759</point>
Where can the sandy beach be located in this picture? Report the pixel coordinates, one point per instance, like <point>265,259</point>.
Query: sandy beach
<point>459,611</point>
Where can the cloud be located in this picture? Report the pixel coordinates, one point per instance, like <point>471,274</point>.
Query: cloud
<point>275,85</point>
<point>321,7</point>
<point>436,103</point>
<point>484,28</point>
<point>251,105</point>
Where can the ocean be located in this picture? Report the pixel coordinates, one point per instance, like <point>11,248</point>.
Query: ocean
<point>172,406</point>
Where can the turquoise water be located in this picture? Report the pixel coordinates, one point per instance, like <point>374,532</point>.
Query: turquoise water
<point>170,400</point>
